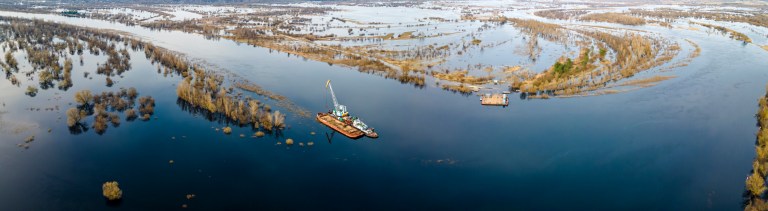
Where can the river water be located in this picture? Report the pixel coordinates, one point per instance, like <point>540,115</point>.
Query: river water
<point>685,144</point>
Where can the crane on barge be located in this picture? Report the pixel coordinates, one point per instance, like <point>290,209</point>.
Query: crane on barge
<point>339,110</point>
<point>340,120</point>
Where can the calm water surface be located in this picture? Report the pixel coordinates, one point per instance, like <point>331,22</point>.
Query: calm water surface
<point>685,144</point>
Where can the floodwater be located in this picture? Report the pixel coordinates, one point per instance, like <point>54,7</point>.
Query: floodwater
<point>685,144</point>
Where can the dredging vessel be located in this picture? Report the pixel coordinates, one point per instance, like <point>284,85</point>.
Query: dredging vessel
<point>339,120</point>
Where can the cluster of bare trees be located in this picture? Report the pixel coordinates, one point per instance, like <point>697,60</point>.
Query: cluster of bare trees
<point>66,80</point>
<point>168,59</point>
<point>612,17</point>
<point>105,108</point>
<point>730,32</point>
<point>461,76</point>
<point>548,31</point>
<point>560,14</point>
<point>36,39</point>
<point>127,19</point>
<point>191,26</point>
<point>146,107</point>
<point>118,61</point>
<point>755,183</point>
<point>338,55</point>
<point>268,28</point>
<point>204,92</point>
<point>632,53</point>
<point>754,18</point>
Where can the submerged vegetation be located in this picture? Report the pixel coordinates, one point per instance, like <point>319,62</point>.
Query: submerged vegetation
<point>75,116</point>
<point>314,32</point>
<point>730,32</point>
<point>364,60</point>
<point>370,47</point>
<point>632,52</point>
<point>752,18</point>
<point>461,77</point>
<point>202,91</point>
<point>49,49</point>
<point>646,82</point>
<point>31,91</point>
<point>36,38</point>
<point>560,14</point>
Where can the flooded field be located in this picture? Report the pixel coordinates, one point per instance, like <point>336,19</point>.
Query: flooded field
<point>611,106</point>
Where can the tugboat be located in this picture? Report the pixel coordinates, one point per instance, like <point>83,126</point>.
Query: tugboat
<point>359,124</point>
<point>339,120</point>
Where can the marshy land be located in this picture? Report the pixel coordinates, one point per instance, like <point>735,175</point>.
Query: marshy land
<point>214,101</point>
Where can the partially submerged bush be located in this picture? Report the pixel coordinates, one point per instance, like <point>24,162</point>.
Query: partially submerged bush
<point>266,121</point>
<point>31,91</point>
<point>100,123</point>
<point>279,120</point>
<point>111,191</point>
<point>259,134</point>
<point>11,60</point>
<point>115,119</point>
<point>756,205</point>
<point>130,114</point>
<point>75,116</point>
<point>132,93</point>
<point>83,97</point>
<point>289,141</point>
<point>146,106</point>
<point>227,130</point>
<point>756,184</point>
<point>614,18</point>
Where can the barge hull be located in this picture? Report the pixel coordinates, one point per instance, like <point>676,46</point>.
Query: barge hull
<point>339,126</point>
<point>495,100</point>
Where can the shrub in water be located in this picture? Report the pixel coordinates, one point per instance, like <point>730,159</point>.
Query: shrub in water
<point>83,97</point>
<point>74,116</point>
<point>259,134</point>
<point>111,191</point>
<point>130,114</point>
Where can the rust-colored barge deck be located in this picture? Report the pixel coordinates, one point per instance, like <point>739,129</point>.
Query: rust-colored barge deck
<point>339,126</point>
<point>494,99</point>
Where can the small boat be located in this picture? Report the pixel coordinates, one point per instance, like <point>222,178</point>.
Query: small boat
<point>360,125</point>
